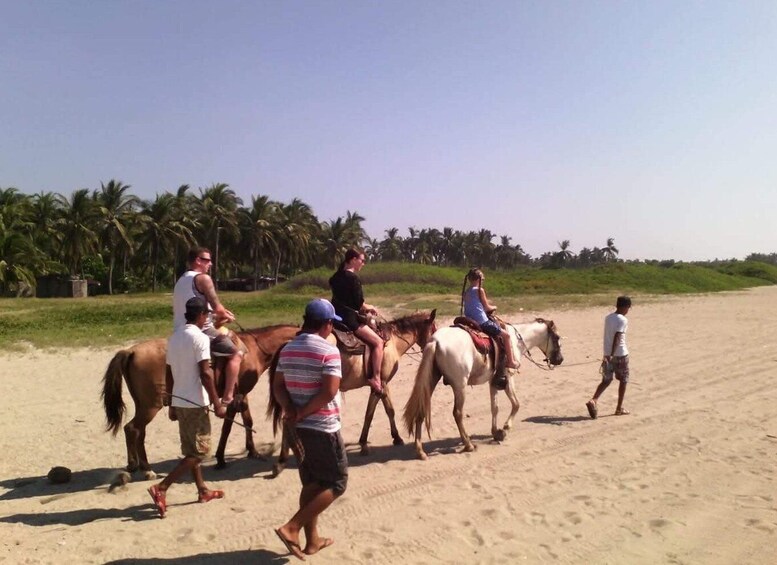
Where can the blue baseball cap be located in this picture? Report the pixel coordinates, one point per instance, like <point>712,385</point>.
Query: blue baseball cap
<point>321,309</point>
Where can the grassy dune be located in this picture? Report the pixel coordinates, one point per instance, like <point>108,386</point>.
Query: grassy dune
<point>115,320</point>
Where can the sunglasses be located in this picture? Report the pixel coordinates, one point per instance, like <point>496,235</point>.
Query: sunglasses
<point>205,259</point>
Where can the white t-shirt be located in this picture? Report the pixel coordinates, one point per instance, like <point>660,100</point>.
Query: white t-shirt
<point>615,323</point>
<point>185,349</point>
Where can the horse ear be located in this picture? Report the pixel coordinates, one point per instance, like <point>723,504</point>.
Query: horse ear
<point>434,313</point>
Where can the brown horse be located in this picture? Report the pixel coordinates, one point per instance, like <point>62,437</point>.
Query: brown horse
<point>401,334</point>
<point>143,367</point>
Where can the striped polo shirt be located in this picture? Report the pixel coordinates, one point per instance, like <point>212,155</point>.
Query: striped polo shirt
<point>303,362</point>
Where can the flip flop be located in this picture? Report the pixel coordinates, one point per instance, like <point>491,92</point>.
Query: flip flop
<point>291,546</point>
<point>324,544</point>
<point>593,411</point>
<point>622,412</point>
<point>158,496</point>
<point>209,495</point>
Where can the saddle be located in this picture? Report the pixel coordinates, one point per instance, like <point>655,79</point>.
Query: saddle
<point>491,347</point>
<point>480,339</point>
<point>349,344</point>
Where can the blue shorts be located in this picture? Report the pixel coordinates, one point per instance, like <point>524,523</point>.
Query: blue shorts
<point>491,328</point>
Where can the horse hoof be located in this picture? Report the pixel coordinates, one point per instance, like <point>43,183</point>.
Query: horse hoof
<point>365,450</point>
<point>469,448</point>
<point>220,465</point>
<point>121,479</point>
<point>149,475</point>
<point>423,456</point>
<point>500,435</point>
<point>399,441</point>
<point>277,469</point>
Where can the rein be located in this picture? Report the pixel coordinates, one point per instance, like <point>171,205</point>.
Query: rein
<point>526,353</point>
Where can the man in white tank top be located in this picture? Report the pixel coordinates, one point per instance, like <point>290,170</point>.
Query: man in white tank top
<point>196,282</point>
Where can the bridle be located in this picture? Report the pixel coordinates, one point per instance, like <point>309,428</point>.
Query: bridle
<point>548,366</point>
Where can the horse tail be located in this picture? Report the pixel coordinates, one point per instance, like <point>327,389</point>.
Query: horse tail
<point>274,410</point>
<point>111,393</point>
<point>419,404</point>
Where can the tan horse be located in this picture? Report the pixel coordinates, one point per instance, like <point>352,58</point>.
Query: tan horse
<point>143,367</point>
<point>402,334</point>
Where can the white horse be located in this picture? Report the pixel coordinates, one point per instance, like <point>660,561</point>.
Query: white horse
<point>451,355</point>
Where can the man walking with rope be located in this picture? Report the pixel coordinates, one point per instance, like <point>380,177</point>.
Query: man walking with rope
<point>615,362</point>
<point>190,379</point>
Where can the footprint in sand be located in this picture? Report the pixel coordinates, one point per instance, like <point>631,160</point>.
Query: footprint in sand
<point>573,518</point>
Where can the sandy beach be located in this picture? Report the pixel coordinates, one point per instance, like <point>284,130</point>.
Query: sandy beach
<point>687,478</point>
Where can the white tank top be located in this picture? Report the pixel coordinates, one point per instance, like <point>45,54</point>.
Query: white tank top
<point>183,291</point>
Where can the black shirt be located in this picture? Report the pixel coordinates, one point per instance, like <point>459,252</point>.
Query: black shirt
<point>347,297</point>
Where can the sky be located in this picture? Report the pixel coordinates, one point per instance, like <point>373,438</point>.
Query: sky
<point>651,122</point>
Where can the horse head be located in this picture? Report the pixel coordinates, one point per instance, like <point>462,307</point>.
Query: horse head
<point>420,325</point>
<point>552,346</point>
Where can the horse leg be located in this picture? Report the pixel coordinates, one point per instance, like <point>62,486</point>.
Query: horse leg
<point>135,436</point>
<point>498,435</point>
<point>458,415</point>
<point>283,456</point>
<point>515,405</point>
<point>248,423</point>
<point>372,403</point>
<point>226,428</point>
<point>389,407</point>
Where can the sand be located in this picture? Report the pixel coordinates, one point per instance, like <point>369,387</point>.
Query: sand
<point>688,477</point>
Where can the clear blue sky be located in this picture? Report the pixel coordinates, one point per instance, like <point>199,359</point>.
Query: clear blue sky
<point>651,122</point>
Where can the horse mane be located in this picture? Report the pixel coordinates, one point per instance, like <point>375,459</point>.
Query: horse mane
<point>408,323</point>
<point>551,325</point>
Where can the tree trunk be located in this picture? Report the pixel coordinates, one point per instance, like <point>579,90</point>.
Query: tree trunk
<point>110,273</point>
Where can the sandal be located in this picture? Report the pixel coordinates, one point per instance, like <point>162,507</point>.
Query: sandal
<point>593,411</point>
<point>209,495</point>
<point>622,412</point>
<point>291,546</point>
<point>158,496</point>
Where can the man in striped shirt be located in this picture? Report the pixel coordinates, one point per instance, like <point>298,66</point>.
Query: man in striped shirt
<point>307,386</point>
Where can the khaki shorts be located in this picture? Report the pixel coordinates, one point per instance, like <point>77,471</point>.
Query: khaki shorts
<point>194,427</point>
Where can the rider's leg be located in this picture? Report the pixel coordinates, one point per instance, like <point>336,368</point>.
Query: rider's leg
<point>508,345</point>
<point>231,371</point>
<point>375,344</point>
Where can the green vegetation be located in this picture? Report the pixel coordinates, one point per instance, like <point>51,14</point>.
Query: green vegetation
<point>397,287</point>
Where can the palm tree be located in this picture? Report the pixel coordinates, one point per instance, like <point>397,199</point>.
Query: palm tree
<point>391,246</point>
<point>45,210</point>
<point>564,255</point>
<point>163,230</point>
<point>259,227</point>
<point>217,211</point>
<point>115,209</point>
<point>78,229</point>
<point>610,251</point>
<point>299,229</point>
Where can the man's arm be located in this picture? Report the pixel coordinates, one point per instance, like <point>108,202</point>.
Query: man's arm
<point>282,397</point>
<point>205,285</point>
<point>329,387</point>
<point>206,376</point>
<point>166,398</point>
<point>614,345</point>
